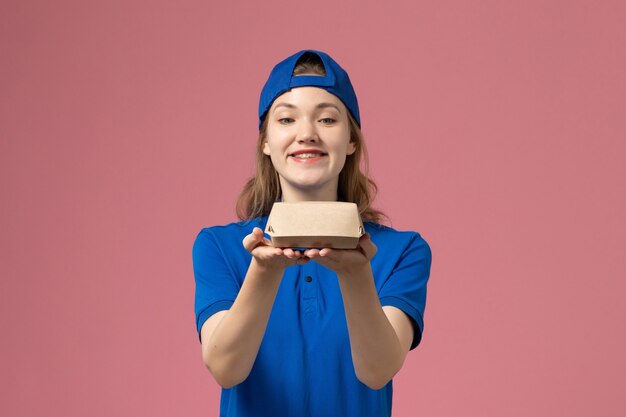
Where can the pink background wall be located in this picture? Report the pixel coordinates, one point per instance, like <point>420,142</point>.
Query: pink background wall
<point>496,129</point>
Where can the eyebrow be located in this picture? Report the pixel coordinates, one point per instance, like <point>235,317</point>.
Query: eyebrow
<point>319,106</point>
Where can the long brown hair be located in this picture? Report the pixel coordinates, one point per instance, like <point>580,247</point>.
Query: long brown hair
<point>355,186</point>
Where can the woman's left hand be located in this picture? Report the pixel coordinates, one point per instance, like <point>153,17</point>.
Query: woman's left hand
<point>345,261</point>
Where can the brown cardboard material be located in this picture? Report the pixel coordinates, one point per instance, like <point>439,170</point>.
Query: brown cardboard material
<point>315,224</point>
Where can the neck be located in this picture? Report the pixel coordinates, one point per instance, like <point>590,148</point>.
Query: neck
<point>294,195</point>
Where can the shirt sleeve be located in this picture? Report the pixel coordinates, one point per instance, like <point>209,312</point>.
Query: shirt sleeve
<point>406,286</point>
<point>216,286</point>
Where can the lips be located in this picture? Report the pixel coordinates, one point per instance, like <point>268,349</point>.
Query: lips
<point>307,154</point>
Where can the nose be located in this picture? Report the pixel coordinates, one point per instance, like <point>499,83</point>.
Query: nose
<point>307,133</point>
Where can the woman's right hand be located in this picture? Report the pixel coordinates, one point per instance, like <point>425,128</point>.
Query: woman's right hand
<point>269,256</point>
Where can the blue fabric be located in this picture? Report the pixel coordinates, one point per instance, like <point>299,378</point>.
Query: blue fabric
<point>336,81</point>
<point>304,365</point>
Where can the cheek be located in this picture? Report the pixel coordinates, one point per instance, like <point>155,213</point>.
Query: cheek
<point>343,145</point>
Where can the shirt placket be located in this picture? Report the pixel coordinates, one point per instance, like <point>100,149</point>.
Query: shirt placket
<point>309,286</point>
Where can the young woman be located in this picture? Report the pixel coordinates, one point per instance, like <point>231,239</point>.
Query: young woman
<point>314,332</point>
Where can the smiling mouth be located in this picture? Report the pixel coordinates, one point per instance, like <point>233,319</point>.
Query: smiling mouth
<point>307,155</point>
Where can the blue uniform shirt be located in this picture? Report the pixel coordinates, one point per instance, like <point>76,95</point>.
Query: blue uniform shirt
<point>304,365</point>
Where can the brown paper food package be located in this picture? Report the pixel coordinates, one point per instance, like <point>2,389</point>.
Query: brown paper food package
<point>315,224</point>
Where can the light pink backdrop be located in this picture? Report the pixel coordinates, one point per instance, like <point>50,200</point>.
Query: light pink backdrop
<point>497,129</point>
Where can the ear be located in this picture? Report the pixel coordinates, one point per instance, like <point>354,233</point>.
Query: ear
<point>266,147</point>
<point>351,148</point>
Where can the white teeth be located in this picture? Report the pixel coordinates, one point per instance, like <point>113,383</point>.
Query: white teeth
<point>307,155</point>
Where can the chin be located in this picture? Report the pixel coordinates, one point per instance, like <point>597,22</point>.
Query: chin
<point>307,182</point>
<point>308,185</point>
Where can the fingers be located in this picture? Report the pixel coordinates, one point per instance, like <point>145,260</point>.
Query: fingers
<point>250,242</point>
<point>367,246</point>
<point>258,233</point>
<point>291,254</point>
<point>254,239</point>
<point>263,249</point>
<point>326,252</point>
<point>312,253</point>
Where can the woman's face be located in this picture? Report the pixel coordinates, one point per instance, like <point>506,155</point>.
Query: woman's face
<point>308,139</point>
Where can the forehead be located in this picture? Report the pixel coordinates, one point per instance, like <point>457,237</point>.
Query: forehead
<point>307,97</point>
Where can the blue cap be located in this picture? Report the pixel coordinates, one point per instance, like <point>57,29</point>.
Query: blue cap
<point>336,81</point>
